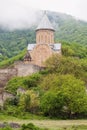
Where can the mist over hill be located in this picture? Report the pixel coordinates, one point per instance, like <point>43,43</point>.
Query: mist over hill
<point>67,29</point>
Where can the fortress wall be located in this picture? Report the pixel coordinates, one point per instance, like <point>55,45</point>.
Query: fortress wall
<point>20,69</point>
<point>25,69</point>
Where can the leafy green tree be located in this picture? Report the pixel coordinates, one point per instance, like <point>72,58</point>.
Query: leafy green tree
<point>52,103</point>
<point>75,96</point>
<point>66,65</point>
<point>24,102</point>
<point>63,93</point>
<point>29,102</point>
<point>67,51</point>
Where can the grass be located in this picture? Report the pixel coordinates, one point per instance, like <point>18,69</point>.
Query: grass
<point>5,118</point>
<point>55,124</point>
<point>47,123</point>
<point>25,116</point>
<point>10,61</point>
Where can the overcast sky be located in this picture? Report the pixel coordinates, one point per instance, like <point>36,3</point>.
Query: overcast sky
<point>22,13</point>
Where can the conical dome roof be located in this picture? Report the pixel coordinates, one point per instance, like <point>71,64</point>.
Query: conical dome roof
<point>45,24</point>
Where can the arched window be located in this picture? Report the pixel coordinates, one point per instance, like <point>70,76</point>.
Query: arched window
<point>45,38</point>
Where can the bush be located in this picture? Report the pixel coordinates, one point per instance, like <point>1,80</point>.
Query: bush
<point>6,128</point>
<point>32,81</point>
<point>29,126</point>
<point>29,102</point>
<point>24,82</point>
<point>67,65</point>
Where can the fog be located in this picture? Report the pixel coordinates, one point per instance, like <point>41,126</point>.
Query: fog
<point>19,14</point>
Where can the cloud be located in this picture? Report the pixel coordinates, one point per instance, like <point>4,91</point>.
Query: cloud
<point>24,13</point>
<point>14,15</point>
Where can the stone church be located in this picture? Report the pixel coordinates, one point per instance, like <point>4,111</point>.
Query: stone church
<point>38,52</point>
<point>36,55</point>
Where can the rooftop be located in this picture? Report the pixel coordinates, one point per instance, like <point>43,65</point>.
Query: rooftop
<point>55,47</point>
<point>31,46</point>
<point>45,24</point>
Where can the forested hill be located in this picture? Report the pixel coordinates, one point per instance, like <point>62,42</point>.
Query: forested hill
<point>67,29</point>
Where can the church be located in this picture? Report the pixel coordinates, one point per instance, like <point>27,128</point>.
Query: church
<point>39,52</point>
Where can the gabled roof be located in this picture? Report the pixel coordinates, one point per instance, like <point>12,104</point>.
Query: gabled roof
<point>27,56</point>
<point>31,47</point>
<point>45,24</point>
<point>57,46</point>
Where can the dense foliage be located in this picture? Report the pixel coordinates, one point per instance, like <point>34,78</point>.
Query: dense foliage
<point>13,42</point>
<point>23,82</point>
<point>11,61</point>
<point>68,65</point>
<point>61,89</point>
<point>63,94</point>
<point>67,29</point>
<point>75,50</point>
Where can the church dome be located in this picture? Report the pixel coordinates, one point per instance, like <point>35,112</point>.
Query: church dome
<point>45,24</point>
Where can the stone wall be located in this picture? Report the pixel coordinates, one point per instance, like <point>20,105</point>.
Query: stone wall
<point>20,69</point>
<point>40,54</point>
<point>44,37</point>
<point>24,69</point>
<point>6,74</point>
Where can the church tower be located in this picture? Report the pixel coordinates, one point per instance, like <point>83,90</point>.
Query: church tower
<point>45,32</point>
<point>45,46</point>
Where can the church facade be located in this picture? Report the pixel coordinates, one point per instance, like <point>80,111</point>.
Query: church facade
<point>45,46</point>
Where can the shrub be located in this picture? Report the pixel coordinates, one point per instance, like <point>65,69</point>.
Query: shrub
<point>24,82</point>
<point>29,102</point>
<point>29,126</point>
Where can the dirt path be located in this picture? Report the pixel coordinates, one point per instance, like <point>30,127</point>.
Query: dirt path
<point>53,124</point>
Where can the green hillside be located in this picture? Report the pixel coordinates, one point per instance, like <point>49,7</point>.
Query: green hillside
<point>12,43</point>
<point>67,29</point>
<point>59,91</point>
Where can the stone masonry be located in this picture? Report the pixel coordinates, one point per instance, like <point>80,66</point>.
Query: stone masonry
<point>45,45</point>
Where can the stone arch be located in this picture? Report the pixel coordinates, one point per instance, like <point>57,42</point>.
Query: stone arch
<point>40,53</point>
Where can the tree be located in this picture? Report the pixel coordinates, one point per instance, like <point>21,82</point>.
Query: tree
<point>52,103</point>
<point>67,51</point>
<point>75,96</point>
<point>63,65</point>
<point>29,102</point>
<point>24,102</point>
<point>63,93</point>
